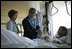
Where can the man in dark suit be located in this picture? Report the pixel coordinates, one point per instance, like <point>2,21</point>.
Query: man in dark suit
<point>30,25</point>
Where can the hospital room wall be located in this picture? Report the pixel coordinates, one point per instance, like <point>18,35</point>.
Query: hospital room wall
<point>20,6</point>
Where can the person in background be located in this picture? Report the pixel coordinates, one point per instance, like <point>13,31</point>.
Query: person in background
<point>11,24</point>
<point>30,25</point>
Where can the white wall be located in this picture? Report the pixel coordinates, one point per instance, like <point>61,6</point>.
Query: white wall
<point>21,6</point>
<point>35,4</point>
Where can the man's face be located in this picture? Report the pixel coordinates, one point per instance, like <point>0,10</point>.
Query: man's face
<point>60,31</point>
<point>33,14</point>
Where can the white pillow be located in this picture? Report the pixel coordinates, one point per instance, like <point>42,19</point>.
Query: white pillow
<point>68,36</point>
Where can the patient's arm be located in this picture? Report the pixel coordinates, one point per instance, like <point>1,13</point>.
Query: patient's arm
<point>58,41</point>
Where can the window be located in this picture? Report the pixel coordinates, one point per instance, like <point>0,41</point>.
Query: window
<point>61,18</point>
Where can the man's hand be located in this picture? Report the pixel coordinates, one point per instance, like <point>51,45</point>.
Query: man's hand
<point>39,31</point>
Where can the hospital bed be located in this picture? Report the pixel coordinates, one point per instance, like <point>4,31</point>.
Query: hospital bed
<point>10,39</point>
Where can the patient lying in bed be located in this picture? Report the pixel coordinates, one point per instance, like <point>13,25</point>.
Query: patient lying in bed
<point>10,39</point>
<point>61,36</point>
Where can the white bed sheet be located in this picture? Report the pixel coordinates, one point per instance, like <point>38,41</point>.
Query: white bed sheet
<point>10,39</point>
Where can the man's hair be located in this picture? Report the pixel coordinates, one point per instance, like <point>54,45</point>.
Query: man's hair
<point>64,29</point>
<point>31,10</point>
<point>11,13</point>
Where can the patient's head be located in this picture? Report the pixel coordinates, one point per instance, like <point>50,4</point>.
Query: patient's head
<point>62,31</point>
